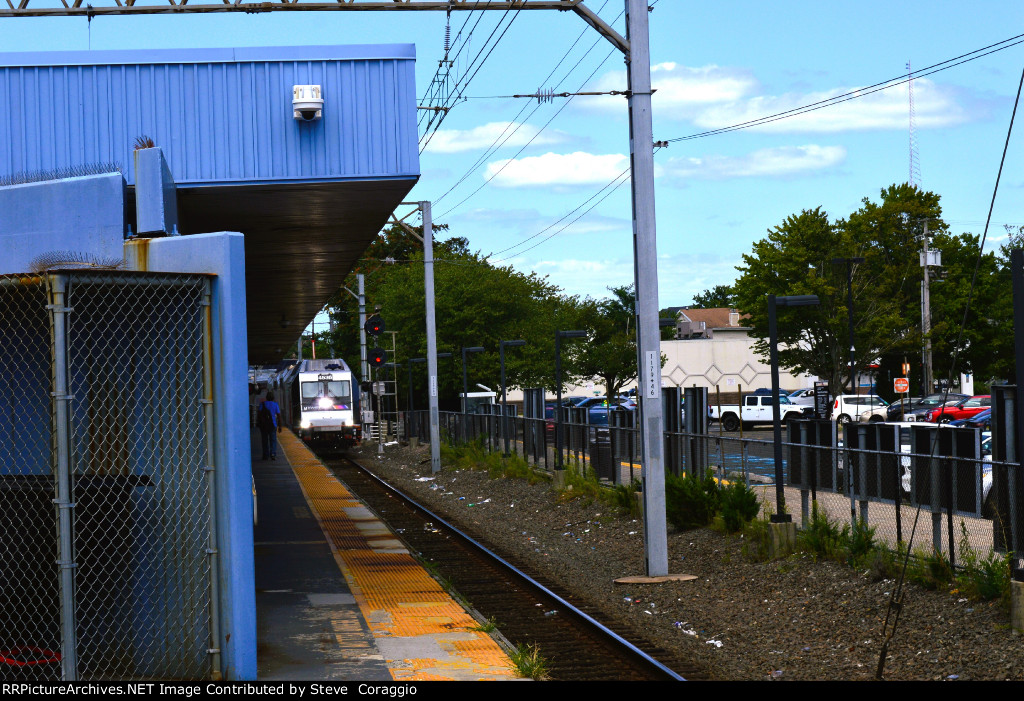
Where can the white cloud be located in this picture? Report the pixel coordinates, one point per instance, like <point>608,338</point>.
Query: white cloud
<point>557,170</point>
<point>681,91</point>
<point>768,162</point>
<point>509,134</point>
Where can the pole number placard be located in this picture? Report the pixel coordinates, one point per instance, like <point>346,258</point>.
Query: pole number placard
<point>652,376</point>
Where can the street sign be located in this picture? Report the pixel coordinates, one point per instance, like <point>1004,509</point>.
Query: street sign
<point>901,385</point>
<point>822,401</point>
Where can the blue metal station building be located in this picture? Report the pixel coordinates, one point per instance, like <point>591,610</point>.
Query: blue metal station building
<point>215,195</point>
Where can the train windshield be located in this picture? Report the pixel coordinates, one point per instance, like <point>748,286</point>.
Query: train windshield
<point>326,395</point>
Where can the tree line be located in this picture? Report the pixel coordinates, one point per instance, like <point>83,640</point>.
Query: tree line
<point>480,304</point>
<point>970,325</point>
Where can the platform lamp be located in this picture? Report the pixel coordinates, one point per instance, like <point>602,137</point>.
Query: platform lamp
<point>773,346</point>
<point>465,388</point>
<point>501,353</point>
<point>559,335</point>
<point>850,262</point>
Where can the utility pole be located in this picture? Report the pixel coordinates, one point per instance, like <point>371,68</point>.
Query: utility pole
<point>926,317</point>
<point>428,288</point>
<point>364,366</point>
<point>645,257</point>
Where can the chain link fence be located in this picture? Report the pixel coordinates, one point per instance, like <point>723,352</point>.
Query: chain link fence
<point>910,489</point>
<point>105,483</point>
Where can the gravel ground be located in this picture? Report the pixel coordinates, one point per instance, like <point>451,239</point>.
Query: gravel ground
<point>739,620</point>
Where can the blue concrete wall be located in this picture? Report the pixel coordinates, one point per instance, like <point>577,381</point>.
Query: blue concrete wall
<point>222,116</point>
<point>82,215</point>
<point>223,255</point>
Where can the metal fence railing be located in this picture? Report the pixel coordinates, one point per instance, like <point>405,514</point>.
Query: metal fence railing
<point>106,502</point>
<point>916,499</point>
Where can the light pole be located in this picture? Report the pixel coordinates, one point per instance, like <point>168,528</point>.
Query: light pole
<point>773,346</point>
<point>465,388</point>
<point>559,335</point>
<point>504,404</point>
<point>849,311</point>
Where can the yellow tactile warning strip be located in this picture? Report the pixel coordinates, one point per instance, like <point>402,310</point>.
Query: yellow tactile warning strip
<point>419,629</point>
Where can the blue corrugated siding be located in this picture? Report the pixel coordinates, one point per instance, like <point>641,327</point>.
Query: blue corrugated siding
<point>218,121</point>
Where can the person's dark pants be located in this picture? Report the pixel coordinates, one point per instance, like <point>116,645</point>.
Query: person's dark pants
<point>269,440</point>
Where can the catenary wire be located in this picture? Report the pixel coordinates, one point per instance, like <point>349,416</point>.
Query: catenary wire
<point>860,92</point>
<point>469,79</point>
<point>495,145</point>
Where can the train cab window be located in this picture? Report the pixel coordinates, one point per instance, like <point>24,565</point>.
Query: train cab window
<point>337,390</point>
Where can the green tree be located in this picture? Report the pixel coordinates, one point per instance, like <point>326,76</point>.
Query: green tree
<point>718,296</point>
<point>797,258</point>
<point>610,350</point>
<point>478,304</point>
<point>392,248</point>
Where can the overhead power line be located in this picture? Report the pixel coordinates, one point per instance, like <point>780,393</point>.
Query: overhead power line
<point>861,92</point>
<point>502,139</point>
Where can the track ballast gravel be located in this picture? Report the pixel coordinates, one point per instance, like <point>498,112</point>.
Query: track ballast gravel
<point>788,619</point>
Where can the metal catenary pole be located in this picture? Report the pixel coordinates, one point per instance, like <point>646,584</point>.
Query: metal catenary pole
<point>428,284</point>
<point>926,319</point>
<point>641,132</point>
<point>364,366</point>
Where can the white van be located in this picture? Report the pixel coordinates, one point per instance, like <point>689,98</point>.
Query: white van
<point>848,407</point>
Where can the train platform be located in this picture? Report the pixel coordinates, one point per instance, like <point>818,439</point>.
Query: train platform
<point>338,596</point>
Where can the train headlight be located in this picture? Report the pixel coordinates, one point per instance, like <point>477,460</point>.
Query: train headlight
<point>305,423</point>
<point>325,402</point>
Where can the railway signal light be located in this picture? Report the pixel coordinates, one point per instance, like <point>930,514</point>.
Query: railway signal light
<point>377,357</point>
<point>374,325</point>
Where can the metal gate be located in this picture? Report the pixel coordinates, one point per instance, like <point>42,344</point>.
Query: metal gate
<point>107,546</point>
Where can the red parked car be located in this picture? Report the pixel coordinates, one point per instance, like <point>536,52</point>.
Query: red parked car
<point>964,409</point>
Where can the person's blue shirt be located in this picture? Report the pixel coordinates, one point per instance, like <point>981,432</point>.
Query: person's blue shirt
<point>274,410</point>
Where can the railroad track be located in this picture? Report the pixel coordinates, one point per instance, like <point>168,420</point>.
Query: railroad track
<point>526,611</point>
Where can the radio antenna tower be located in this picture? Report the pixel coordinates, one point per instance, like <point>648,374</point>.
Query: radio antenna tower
<point>915,163</point>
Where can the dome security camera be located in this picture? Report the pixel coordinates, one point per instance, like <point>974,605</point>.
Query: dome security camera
<point>307,102</point>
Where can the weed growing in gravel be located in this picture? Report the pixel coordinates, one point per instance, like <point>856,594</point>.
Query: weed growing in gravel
<point>860,542</point>
<point>488,626</point>
<point>929,569</point>
<point>624,498</point>
<point>984,578</point>
<point>822,538</point>
<point>739,505</point>
<point>475,456</point>
<point>580,485</point>
<point>884,563</point>
<point>528,663</point>
<point>757,538</point>
<point>690,501</point>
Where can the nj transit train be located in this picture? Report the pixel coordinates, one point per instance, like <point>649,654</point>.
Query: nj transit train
<point>320,401</point>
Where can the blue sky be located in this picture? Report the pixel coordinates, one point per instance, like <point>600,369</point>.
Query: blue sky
<point>714,65</point>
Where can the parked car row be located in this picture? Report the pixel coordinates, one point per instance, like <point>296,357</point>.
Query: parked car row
<point>756,408</point>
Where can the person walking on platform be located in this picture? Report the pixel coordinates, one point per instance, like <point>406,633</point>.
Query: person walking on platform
<point>268,420</point>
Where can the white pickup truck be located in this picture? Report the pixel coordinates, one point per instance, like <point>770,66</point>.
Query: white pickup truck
<point>756,409</point>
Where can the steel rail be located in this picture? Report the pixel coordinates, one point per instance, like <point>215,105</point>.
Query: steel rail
<point>632,649</point>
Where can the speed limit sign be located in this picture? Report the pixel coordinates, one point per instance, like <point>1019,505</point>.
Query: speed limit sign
<point>901,385</point>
